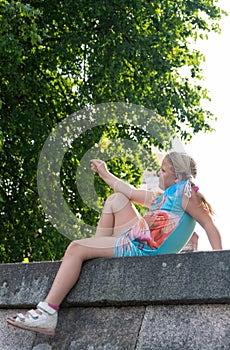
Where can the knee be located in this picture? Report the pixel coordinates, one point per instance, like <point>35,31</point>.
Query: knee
<point>71,249</point>
<point>116,202</point>
<point>116,197</point>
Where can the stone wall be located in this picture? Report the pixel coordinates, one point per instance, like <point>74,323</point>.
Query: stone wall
<point>178,301</point>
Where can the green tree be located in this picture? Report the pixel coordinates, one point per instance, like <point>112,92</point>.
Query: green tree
<point>58,57</point>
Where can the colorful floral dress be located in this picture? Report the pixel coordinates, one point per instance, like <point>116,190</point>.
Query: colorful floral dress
<point>165,229</point>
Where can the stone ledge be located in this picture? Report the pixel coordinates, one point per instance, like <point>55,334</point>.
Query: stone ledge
<point>190,278</point>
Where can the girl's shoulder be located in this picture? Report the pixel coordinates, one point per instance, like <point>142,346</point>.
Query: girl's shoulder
<point>176,189</point>
<point>171,196</point>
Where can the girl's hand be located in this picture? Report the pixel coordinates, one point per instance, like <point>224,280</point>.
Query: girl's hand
<point>99,166</point>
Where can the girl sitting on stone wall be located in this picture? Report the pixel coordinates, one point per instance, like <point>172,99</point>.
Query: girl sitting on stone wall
<point>121,231</point>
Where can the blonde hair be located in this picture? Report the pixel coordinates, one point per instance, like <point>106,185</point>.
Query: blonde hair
<point>184,166</point>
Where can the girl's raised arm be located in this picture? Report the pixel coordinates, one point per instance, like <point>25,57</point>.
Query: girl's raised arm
<point>143,197</point>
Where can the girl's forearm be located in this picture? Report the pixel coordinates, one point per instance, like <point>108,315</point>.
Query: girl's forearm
<point>140,196</point>
<point>216,242</point>
<point>118,185</point>
<point>214,238</point>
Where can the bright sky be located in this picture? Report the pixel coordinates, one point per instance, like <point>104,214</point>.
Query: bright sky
<point>211,151</point>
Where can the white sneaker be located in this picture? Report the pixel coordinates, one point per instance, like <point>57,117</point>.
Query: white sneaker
<point>44,323</point>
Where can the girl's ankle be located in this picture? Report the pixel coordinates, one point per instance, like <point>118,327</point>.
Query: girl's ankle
<point>55,307</point>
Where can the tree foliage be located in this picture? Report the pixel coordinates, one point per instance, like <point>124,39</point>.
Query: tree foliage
<point>60,56</point>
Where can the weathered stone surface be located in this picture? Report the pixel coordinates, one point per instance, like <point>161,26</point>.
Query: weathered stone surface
<point>164,302</point>
<point>188,278</point>
<point>202,277</point>
<point>196,327</point>
<point>23,285</point>
<point>12,338</point>
<point>80,329</point>
<point>97,328</point>
<point>161,327</point>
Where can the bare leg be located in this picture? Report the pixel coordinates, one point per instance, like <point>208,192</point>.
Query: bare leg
<point>118,215</point>
<point>76,254</point>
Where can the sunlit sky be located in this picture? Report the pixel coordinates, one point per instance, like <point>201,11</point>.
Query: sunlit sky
<point>211,151</point>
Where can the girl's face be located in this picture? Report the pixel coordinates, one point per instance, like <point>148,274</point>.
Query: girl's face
<point>167,177</point>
